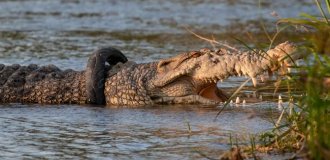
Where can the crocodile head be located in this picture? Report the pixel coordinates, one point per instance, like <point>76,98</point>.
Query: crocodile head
<point>194,75</point>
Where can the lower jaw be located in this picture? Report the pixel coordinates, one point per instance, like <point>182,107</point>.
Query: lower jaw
<point>212,92</point>
<point>188,99</point>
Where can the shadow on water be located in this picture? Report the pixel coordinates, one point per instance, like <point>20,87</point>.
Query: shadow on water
<point>65,32</point>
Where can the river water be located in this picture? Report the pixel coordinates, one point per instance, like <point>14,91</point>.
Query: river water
<point>65,32</point>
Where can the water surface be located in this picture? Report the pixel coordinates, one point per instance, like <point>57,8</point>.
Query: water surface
<point>70,131</point>
<point>65,32</point>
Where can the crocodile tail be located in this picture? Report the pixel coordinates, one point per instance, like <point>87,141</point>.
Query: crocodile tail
<point>96,72</point>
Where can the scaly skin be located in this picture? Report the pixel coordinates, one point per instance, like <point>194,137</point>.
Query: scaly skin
<point>50,85</point>
<point>189,77</point>
<point>186,78</point>
<point>46,84</point>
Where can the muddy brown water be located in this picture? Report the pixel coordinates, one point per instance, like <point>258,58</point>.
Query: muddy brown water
<point>65,32</point>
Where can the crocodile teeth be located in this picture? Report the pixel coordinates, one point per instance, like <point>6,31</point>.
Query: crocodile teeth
<point>254,81</point>
<point>262,78</point>
<point>237,100</point>
<point>280,101</point>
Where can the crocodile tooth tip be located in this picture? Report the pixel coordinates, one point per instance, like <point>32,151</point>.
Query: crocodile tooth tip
<point>289,70</point>
<point>237,100</point>
<point>262,78</point>
<point>254,81</point>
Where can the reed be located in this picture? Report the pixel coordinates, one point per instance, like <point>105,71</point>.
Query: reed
<point>307,119</point>
<point>304,124</point>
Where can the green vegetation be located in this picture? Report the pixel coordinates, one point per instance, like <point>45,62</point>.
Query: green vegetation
<point>304,126</point>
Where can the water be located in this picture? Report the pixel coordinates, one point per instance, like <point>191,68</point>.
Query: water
<point>65,32</point>
<point>34,131</point>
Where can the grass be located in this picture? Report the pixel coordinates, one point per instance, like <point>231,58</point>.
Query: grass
<point>306,128</point>
<point>308,122</point>
<point>304,124</point>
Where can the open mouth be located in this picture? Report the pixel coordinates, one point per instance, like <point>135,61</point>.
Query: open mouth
<point>212,92</point>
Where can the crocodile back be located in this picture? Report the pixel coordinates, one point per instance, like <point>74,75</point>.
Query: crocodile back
<point>40,84</point>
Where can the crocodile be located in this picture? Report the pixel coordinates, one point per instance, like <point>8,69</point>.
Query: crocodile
<point>110,79</point>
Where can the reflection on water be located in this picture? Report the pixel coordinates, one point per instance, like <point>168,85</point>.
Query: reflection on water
<point>65,32</point>
<point>151,132</point>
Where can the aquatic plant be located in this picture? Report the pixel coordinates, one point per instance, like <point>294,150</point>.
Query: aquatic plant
<point>307,125</point>
<point>304,123</point>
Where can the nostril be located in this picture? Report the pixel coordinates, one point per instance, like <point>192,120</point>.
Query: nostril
<point>215,61</point>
